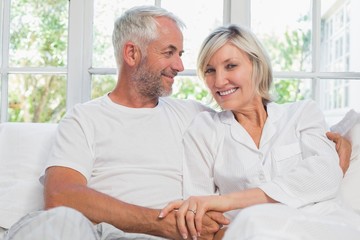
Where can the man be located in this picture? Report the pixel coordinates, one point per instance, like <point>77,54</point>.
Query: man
<point>118,159</point>
<point>123,150</point>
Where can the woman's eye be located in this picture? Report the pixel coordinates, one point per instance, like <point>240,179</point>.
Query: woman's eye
<point>230,66</point>
<point>209,70</point>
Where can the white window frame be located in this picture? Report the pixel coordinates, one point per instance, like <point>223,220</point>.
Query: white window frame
<point>235,11</point>
<point>79,67</point>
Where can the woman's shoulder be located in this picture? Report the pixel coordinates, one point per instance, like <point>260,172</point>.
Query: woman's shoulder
<point>300,112</point>
<point>293,107</point>
<point>214,118</point>
<point>206,118</point>
<point>206,128</point>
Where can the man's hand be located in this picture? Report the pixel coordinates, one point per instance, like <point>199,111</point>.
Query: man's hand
<point>190,220</point>
<point>343,148</point>
<point>220,234</point>
<point>212,224</point>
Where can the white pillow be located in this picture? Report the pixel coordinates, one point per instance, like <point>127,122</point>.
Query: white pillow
<point>349,127</point>
<point>24,148</point>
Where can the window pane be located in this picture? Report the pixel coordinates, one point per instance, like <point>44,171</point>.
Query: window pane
<point>190,87</point>
<point>38,33</point>
<point>285,31</point>
<point>102,84</point>
<point>200,19</point>
<point>36,98</point>
<point>105,13</point>
<point>340,36</point>
<point>291,90</point>
<point>339,96</point>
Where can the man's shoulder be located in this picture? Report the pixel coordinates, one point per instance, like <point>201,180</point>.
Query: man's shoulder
<point>90,105</point>
<point>86,110</point>
<point>186,105</point>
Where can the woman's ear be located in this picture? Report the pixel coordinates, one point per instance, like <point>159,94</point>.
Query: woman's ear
<point>132,53</point>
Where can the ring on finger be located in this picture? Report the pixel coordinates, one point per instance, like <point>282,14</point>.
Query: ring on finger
<point>193,211</point>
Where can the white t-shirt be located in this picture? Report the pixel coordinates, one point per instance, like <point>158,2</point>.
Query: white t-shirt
<point>132,154</point>
<point>295,163</point>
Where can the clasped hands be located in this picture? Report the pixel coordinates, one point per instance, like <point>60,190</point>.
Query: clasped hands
<point>190,213</point>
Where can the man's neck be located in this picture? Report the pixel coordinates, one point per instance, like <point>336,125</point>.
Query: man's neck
<point>132,100</point>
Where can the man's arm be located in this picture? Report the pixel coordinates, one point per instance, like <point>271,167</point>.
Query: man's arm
<point>343,148</point>
<point>67,187</point>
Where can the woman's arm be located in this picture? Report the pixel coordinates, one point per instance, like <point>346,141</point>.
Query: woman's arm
<point>312,174</point>
<point>191,211</point>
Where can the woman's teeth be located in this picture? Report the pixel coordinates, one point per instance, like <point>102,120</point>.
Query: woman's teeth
<point>227,92</point>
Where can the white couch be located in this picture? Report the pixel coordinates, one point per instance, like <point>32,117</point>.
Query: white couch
<point>24,148</point>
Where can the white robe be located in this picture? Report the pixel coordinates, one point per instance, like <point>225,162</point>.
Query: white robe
<point>295,163</point>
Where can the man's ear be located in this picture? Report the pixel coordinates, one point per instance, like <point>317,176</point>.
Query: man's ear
<point>132,53</point>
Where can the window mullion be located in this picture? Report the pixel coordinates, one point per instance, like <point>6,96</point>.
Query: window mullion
<point>79,52</point>
<point>240,12</point>
<point>316,26</point>
<point>87,49</point>
<point>316,51</point>
<point>5,59</point>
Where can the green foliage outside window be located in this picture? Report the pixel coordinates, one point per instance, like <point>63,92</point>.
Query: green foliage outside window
<point>290,54</point>
<point>190,88</point>
<point>38,38</point>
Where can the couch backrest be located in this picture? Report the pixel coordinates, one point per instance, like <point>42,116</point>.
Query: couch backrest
<point>24,148</point>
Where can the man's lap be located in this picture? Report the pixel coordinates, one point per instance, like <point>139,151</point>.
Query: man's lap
<point>65,223</point>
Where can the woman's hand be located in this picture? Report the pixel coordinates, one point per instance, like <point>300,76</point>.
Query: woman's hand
<point>191,212</point>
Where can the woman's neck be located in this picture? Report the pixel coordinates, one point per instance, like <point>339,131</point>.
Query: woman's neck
<point>253,119</point>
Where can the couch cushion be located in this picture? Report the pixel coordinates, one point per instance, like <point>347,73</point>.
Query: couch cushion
<point>24,148</point>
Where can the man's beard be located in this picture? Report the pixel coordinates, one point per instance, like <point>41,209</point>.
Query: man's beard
<point>148,83</point>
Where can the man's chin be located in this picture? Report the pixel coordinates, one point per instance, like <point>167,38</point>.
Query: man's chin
<point>166,93</point>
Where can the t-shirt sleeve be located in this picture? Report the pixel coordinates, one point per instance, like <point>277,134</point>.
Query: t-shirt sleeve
<point>73,145</point>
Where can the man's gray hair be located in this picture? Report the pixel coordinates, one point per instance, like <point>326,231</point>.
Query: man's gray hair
<point>139,25</point>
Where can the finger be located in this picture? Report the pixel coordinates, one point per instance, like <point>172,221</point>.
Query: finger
<point>170,207</point>
<point>199,218</point>
<point>180,219</point>
<point>335,137</point>
<point>190,221</point>
<point>218,217</point>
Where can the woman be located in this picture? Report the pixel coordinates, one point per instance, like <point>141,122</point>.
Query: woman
<point>255,151</point>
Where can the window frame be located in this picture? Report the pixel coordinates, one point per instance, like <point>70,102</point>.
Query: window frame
<point>79,68</point>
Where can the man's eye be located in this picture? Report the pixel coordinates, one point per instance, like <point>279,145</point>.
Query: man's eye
<point>169,53</point>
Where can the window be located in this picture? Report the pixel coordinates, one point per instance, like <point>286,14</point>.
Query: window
<point>312,40</point>
<point>55,54</point>
<point>33,60</point>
